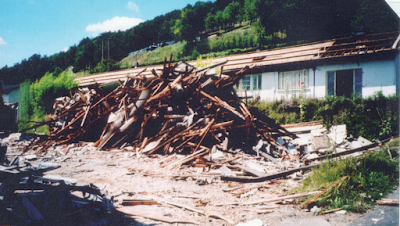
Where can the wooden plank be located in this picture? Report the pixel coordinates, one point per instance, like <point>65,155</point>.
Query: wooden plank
<point>268,177</point>
<point>271,199</point>
<point>330,211</point>
<point>313,199</point>
<point>187,158</point>
<point>152,216</point>
<point>207,213</point>
<point>251,171</point>
<point>303,124</point>
<point>334,155</point>
<point>388,202</point>
<point>135,202</point>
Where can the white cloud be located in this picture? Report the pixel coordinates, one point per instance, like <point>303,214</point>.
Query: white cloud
<point>65,49</point>
<point>2,42</point>
<point>114,24</point>
<point>132,6</point>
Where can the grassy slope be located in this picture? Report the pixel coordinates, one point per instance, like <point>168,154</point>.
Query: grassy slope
<point>178,50</point>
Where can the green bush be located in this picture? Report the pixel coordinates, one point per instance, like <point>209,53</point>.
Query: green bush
<point>37,99</point>
<point>363,180</point>
<point>375,117</point>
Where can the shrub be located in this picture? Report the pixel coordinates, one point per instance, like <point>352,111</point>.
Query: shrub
<point>38,97</point>
<point>354,184</point>
<point>372,117</point>
<point>375,117</point>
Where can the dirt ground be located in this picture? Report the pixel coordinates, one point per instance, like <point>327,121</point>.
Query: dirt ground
<point>125,175</point>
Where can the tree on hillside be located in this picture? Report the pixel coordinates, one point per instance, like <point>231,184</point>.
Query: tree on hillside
<point>221,4</point>
<point>381,19</point>
<point>192,20</point>
<point>251,9</point>
<point>84,57</point>
<point>210,22</point>
<point>166,32</point>
<point>232,13</point>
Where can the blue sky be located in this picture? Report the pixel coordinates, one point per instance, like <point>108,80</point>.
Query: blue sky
<point>47,27</point>
<point>395,4</point>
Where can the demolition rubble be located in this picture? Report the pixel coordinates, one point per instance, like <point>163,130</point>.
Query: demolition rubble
<point>176,110</point>
<point>195,130</point>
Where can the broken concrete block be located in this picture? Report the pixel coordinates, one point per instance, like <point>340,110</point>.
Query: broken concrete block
<point>318,132</point>
<point>338,134</point>
<point>321,142</point>
<point>341,212</point>
<point>254,222</point>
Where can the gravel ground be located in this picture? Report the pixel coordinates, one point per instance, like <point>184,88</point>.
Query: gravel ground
<point>124,175</point>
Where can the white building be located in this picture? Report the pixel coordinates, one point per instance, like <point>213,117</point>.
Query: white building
<point>359,65</point>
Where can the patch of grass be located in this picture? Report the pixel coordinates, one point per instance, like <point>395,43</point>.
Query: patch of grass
<point>363,180</point>
<point>24,123</point>
<point>156,56</point>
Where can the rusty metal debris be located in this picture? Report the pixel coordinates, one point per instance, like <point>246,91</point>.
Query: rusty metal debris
<point>178,109</point>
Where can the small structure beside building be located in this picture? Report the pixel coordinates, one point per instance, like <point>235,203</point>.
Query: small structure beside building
<point>9,97</point>
<point>11,93</point>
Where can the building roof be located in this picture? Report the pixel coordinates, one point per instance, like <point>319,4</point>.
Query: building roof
<point>363,44</point>
<point>5,89</point>
<point>282,58</point>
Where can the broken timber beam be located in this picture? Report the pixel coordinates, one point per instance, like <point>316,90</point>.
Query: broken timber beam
<point>270,199</point>
<point>267,177</point>
<point>152,216</point>
<point>388,202</point>
<point>334,155</point>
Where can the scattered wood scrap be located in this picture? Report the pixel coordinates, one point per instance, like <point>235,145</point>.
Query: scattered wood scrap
<point>172,110</point>
<point>388,202</point>
<point>270,199</point>
<point>194,113</point>
<point>152,216</point>
<point>337,183</point>
<point>135,202</point>
<point>207,213</point>
<point>330,211</point>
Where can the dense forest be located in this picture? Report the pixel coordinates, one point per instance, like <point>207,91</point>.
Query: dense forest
<point>300,21</point>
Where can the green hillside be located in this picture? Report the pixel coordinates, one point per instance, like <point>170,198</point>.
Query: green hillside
<point>213,29</point>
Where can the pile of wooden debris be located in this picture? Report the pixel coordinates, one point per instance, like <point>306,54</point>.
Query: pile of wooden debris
<point>179,109</point>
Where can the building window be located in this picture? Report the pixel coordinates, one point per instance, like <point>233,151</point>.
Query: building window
<point>256,82</point>
<point>344,82</point>
<point>293,80</point>
<point>251,82</point>
<point>246,83</point>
